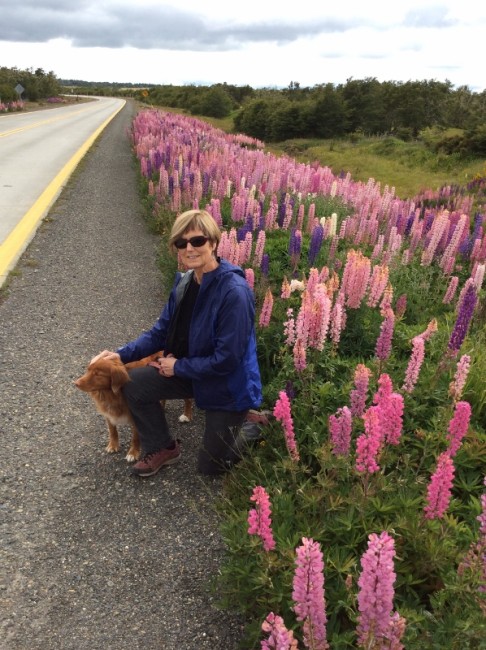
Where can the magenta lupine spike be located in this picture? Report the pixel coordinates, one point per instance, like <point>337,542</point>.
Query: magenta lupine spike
<point>283,414</point>
<point>309,594</point>
<point>259,518</point>
<point>391,418</point>
<point>441,222</point>
<point>440,487</point>
<point>359,394</point>
<point>378,626</point>
<point>458,426</point>
<point>320,317</point>
<point>356,276</point>
<point>267,308</point>
<point>385,389</point>
<point>340,426</point>
<point>259,249</point>
<point>456,387</point>
<point>415,363</point>
<point>384,341</point>
<point>280,638</point>
<point>368,445</point>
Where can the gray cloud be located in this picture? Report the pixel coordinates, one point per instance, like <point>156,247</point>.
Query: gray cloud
<point>90,24</point>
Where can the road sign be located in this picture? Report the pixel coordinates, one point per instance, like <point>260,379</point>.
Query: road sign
<point>19,89</point>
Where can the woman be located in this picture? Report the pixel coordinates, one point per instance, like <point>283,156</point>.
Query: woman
<point>207,332</point>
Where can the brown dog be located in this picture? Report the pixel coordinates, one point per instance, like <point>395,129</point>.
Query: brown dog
<point>103,380</point>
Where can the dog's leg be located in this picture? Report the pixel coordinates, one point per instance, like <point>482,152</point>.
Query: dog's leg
<point>113,441</point>
<point>187,415</point>
<point>134,451</point>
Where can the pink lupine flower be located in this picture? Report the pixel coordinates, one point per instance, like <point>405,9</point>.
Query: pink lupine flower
<point>440,488</point>
<point>299,354</point>
<point>378,282</point>
<point>451,290</point>
<point>391,418</point>
<point>267,307</point>
<point>430,330</point>
<point>386,301</point>
<point>285,291</point>
<point>283,414</point>
<point>385,389</point>
<point>457,385</point>
<point>384,341</point>
<point>401,305</point>
<point>309,594</point>
<point>259,518</point>
<point>280,638</point>
<point>340,425</point>
<point>378,625</point>
<point>289,327</point>
<point>458,426</point>
<point>355,278</point>
<point>338,320</point>
<point>250,277</point>
<point>414,364</point>
<point>368,444</point>
<point>359,394</point>
<point>259,249</point>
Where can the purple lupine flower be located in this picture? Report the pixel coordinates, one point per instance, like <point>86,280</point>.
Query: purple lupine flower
<point>265,265</point>
<point>315,243</point>
<point>463,320</point>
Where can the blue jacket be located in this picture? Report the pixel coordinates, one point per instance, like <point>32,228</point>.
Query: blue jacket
<point>222,360</point>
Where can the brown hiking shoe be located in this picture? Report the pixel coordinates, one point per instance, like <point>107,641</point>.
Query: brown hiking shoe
<point>152,462</point>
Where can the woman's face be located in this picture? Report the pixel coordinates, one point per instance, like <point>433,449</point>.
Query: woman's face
<point>199,258</point>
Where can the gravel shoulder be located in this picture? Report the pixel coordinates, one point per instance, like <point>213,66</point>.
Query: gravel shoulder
<point>93,558</point>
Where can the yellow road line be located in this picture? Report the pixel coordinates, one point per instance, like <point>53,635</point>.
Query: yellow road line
<point>16,242</point>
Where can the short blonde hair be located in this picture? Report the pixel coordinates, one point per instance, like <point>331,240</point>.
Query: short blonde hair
<point>195,220</point>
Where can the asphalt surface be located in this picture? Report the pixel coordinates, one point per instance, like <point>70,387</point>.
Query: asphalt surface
<point>92,557</point>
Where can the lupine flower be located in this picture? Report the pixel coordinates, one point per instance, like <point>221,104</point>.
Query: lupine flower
<point>259,248</point>
<point>457,386</point>
<point>280,638</point>
<point>368,444</point>
<point>259,518</point>
<point>299,354</point>
<point>378,282</point>
<point>250,277</point>
<point>463,320</point>
<point>289,327</point>
<point>340,425</point>
<point>384,341</point>
<point>267,308</point>
<point>283,414</point>
<point>390,411</point>
<point>264,266</point>
<point>414,364</point>
<point>359,394</point>
<point>430,330</point>
<point>440,488</point>
<point>401,305</point>
<point>458,426</point>
<point>285,291</point>
<point>309,595</point>
<point>451,290</point>
<point>315,243</point>
<point>378,625</point>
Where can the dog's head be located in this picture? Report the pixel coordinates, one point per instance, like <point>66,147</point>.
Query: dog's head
<point>103,374</point>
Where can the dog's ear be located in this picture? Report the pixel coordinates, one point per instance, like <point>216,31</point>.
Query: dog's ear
<point>119,377</point>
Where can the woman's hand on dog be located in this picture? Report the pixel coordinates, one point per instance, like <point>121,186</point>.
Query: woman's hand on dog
<point>106,354</point>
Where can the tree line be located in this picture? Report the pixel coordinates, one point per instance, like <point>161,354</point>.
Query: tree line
<point>37,84</point>
<point>358,107</point>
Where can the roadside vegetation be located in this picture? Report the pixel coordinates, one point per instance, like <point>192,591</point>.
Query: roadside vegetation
<point>359,520</point>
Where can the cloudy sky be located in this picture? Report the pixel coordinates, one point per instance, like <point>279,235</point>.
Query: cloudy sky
<point>262,43</point>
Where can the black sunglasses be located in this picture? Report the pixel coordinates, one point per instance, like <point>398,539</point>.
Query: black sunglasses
<point>196,242</point>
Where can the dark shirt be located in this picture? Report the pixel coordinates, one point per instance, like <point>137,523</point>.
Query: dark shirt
<point>178,337</point>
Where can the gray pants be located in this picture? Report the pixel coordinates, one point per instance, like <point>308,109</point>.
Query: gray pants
<point>143,394</point>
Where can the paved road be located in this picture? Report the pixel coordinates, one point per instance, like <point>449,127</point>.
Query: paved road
<point>38,152</point>
<point>91,557</point>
